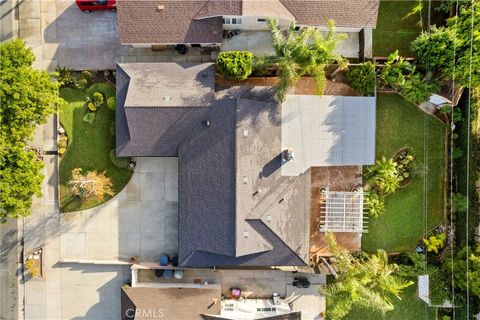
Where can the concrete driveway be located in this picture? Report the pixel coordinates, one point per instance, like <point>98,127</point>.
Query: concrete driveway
<point>60,34</point>
<point>141,221</point>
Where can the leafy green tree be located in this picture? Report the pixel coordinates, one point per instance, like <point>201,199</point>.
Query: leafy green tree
<point>362,78</point>
<point>369,282</point>
<point>464,26</point>
<point>435,49</point>
<point>304,52</point>
<point>460,269</point>
<point>28,96</point>
<point>236,65</point>
<point>416,89</point>
<point>20,179</point>
<point>396,71</point>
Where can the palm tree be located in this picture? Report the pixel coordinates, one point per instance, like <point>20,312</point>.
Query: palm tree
<point>369,283</point>
<point>304,52</point>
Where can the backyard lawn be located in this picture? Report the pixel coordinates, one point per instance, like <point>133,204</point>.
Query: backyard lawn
<point>396,28</point>
<point>89,145</point>
<point>401,124</point>
<point>409,308</point>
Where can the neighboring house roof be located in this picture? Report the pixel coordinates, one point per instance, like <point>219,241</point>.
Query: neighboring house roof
<point>141,21</point>
<point>345,13</point>
<point>142,303</point>
<point>235,208</point>
<point>158,104</point>
<point>199,21</point>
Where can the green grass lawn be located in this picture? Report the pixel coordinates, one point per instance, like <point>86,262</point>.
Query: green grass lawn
<point>396,29</point>
<point>89,145</point>
<point>409,308</point>
<point>401,124</point>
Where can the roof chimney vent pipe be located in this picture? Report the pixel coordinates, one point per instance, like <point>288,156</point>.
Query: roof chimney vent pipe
<point>288,154</point>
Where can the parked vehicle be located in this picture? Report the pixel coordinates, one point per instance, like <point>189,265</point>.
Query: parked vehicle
<point>89,5</point>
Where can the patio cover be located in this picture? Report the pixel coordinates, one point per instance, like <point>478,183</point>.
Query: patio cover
<point>327,131</point>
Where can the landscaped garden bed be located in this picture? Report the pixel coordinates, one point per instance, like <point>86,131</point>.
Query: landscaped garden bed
<point>401,125</point>
<point>88,142</point>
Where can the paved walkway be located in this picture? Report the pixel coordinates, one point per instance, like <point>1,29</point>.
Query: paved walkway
<point>141,221</point>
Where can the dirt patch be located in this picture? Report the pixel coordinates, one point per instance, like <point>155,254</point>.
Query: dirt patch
<point>340,178</point>
<point>304,86</point>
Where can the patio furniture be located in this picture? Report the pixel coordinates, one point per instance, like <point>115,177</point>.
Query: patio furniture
<point>158,273</point>
<point>164,259</point>
<point>178,274</point>
<point>167,274</point>
<point>235,293</point>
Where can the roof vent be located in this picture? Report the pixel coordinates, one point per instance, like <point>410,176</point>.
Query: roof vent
<point>167,98</point>
<point>204,74</point>
<point>206,123</point>
<point>245,234</point>
<point>288,154</point>
<point>269,218</point>
<point>245,179</point>
<point>245,133</point>
<point>160,8</point>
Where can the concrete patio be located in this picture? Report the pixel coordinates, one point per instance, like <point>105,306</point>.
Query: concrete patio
<point>141,221</point>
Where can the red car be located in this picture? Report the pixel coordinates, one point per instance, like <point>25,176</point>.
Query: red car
<point>92,5</point>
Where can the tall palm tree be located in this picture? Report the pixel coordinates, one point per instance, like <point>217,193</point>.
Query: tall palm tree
<point>304,52</point>
<point>369,283</point>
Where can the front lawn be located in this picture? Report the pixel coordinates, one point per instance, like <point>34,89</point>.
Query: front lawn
<point>89,145</point>
<point>409,308</point>
<point>401,124</point>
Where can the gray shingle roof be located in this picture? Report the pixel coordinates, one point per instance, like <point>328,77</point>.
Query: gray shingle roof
<point>221,221</point>
<point>199,21</point>
<point>147,124</point>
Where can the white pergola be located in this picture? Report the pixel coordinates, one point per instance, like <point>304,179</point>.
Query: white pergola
<point>343,212</point>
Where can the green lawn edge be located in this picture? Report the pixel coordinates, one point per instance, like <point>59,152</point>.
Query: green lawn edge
<point>401,124</point>
<point>89,145</point>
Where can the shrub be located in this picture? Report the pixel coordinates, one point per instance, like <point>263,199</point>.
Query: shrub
<point>82,84</point>
<point>31,268</point>
<point>260,65</point>
<point>62,145</point>
<point>383,176</point>
<point>91,106</point>
<point>236,65</point>
<point>119,162</point>
<point>459,203</point>
<point>97,99</point>
<point>375,204</point>
<point>435,242</point>
<point>89,117</point>
<point>417,90</point>
<point>111,103</point>
<point>362,78</point>
<point>457,115</point>
<point>457,153</point>
<point>87,75</point>
<point>65,77</point>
